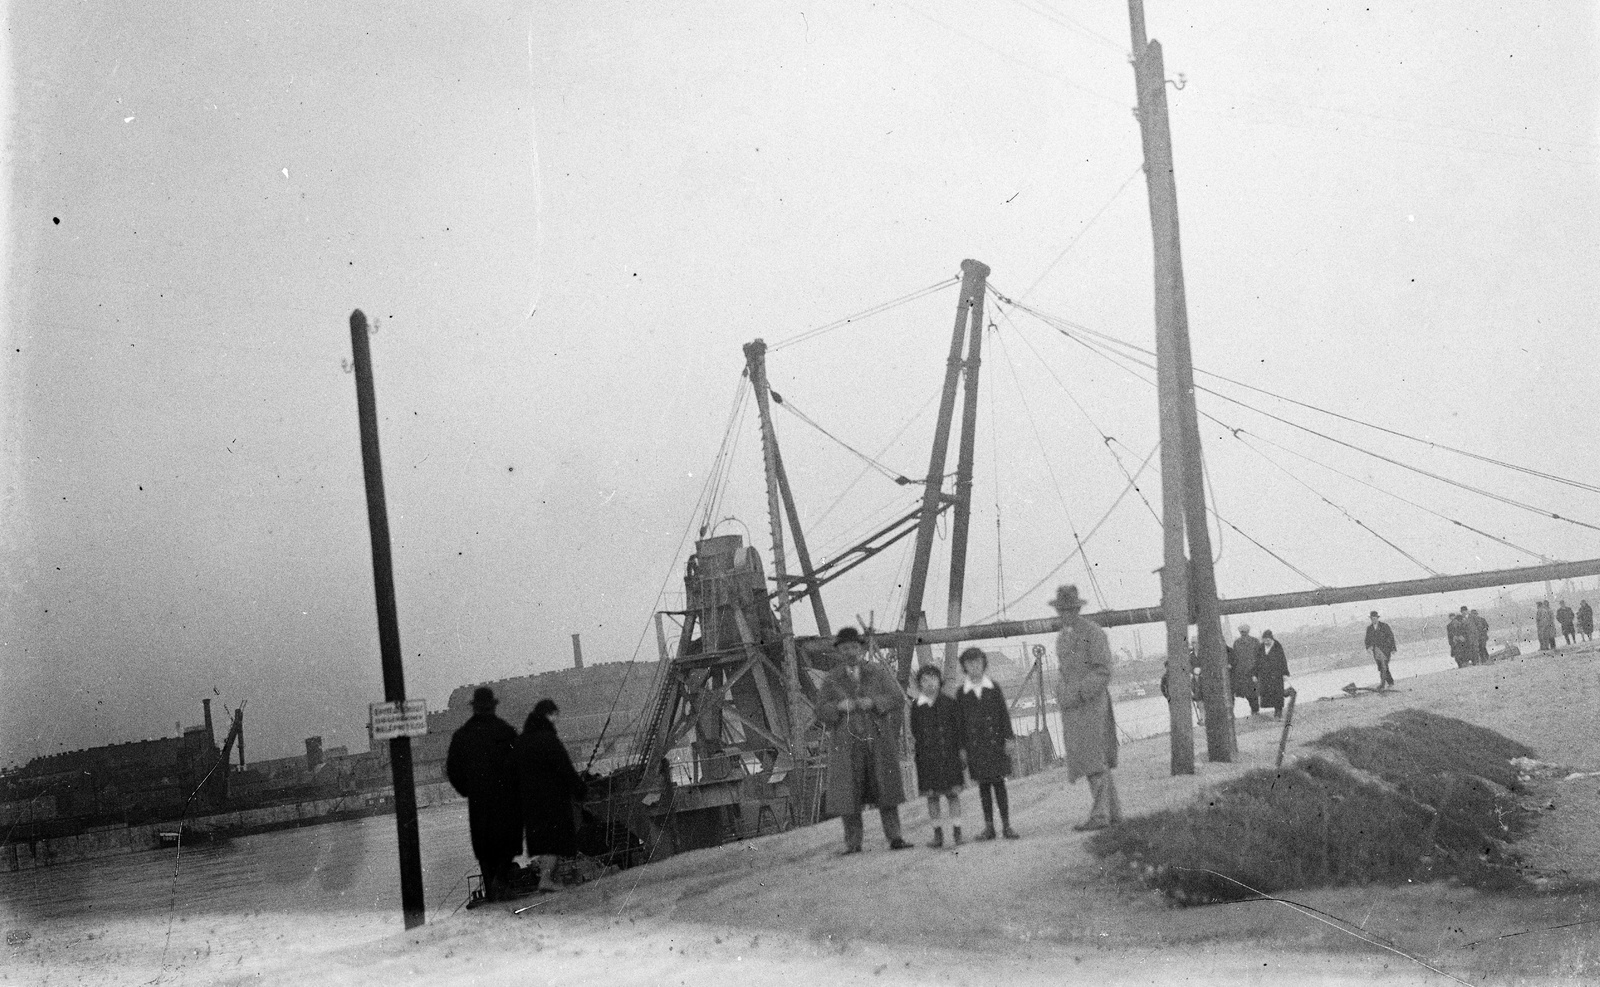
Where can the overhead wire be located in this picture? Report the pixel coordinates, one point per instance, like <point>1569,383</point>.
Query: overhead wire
<point>1108,440</point>
<point>994,458</point>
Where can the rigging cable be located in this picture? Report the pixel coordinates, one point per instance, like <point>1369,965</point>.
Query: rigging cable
<point>865,313</point>
<point>1314,492</point>
<point>1074,553</point>
<point>1512,502</point>
<point>1094,584</point>
<point>1074,241</point>
<point>865,469</point>
<point>994,457</point>
<point>707,493</point>
<point>1061,325</point>
<point>1104,437</point>
<point>1240,433</point>
<point>897,477</point>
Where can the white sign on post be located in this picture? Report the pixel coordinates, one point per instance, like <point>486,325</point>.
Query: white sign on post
<point>403,719</point>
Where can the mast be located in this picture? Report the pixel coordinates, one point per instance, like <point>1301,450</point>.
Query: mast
<point>755,354</point>
<point>973,275</point>
<point>963,506</point>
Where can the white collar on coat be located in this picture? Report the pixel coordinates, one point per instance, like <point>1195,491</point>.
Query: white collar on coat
<point>924,700</point>
<point>976,688</point>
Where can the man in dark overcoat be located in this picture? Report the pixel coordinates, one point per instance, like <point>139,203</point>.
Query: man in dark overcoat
<point>1483,635</point>
<point>1088,725</point>
<point>1242,661</point>
<point>1380,644</point>
<point>481,767</point>
<point>862,706</point>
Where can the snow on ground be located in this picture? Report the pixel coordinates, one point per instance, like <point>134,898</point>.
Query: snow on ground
<point>786,908</point>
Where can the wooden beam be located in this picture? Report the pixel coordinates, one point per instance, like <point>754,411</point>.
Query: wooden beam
<point>1326,596</point>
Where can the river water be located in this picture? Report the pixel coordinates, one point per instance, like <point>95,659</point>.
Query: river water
<point>351,868</point>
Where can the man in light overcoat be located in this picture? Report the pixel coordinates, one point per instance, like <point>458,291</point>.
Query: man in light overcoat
<point>1088,726</point>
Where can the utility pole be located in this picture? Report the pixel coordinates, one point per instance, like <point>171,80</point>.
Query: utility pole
<point>394,680</point>
<point>755,355</point>
<point>1193,591</point>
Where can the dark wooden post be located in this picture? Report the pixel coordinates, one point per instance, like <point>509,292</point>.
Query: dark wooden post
<point>394,680</point>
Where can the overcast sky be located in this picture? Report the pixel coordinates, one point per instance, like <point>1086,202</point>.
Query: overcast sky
<point>565,219</point>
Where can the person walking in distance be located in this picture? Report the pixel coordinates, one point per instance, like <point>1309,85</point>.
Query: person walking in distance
<point>1586,620</point>
<point>1088,725</point>
<point>936,734</point>
<point>1545,623</point>
<point>1564,617</point>
<point>1380,644</point>
<point>480,765</point>
<point>1474,633</point>
<point>551,789</point>
<point>1271,670</point>
<point>861,705</point>
<point>1483,636</point>
<point>1456,633</point>
<point>986,739</point>
<point>1242,661</point>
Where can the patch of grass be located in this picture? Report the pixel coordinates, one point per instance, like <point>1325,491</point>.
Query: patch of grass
<point>1443,809</point>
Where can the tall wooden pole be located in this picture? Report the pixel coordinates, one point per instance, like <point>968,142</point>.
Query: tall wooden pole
<point>394,680</point>
<point>755,355</point>
<point>962,517</point>
<point>1175,570</point>
<point>973,274</point>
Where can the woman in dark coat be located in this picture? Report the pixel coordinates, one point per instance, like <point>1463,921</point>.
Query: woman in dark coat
<point>1586,620</point>
<point>550,788</point>
<point>986,736</point>
<point>1271,670</point>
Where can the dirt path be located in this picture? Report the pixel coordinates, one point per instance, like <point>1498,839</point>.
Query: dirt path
<point>1034,911</point>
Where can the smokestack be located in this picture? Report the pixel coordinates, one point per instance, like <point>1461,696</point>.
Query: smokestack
<point>577,652</point>
<point>211,734</point>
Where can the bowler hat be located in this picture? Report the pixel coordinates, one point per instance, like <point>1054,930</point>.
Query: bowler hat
<point>1067,598</point>
<point>847,635</point>
<point>483,698</point>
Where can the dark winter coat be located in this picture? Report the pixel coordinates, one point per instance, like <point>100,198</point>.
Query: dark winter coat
<point>985,728</point>
<point>1270,672</point>
<point>936,732</point>
<point>1545,622</point>
<point>481,767</point>
<point>1458,634</point>
<point>1585,617</point>
<point>1242,660</point>
<point>863,745</point>
<point>551,788</point>
<point>1381,637</point>
<point>1564,617</point>
<point>1088,725</point>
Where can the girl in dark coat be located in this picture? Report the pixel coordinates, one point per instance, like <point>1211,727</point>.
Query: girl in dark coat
<point>986,736</point>
<point>936,732</point>
<point>1270,672</point>
<point>550,787</point>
